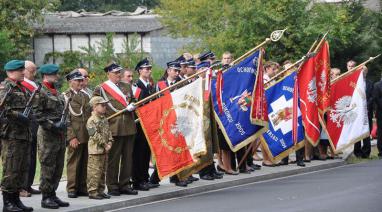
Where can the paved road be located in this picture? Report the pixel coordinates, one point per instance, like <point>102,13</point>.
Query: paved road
<point>350,188</point>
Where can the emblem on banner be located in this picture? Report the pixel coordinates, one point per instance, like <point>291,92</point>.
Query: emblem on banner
<point>282,114</point>
<point>244,100</point>
<point>312,91</point>
<point>344,111</point>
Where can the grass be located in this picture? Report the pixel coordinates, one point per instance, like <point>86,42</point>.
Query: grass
<point>373,156</point>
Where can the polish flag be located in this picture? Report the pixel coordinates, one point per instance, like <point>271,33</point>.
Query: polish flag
<point>173,125</point>
<point>347,120</point>
<point>322,69</point>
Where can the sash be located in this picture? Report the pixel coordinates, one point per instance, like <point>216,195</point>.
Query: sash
<point>136,91</point>
<point>30,85</point>
<point>115,92</point>
<point>162,85</point>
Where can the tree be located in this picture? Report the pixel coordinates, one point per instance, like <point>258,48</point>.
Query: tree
<point>237,26</point>
<point>5,51</point>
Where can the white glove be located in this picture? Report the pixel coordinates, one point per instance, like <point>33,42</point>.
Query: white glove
<point>130,107</point>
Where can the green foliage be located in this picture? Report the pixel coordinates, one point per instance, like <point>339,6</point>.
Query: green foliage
<point>105,5</point>
<point>6,47</point>
<point>18,18</point>
<point>237,26</point>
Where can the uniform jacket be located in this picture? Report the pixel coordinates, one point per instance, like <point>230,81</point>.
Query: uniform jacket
<point>79,112</point>
<point>122,125</point>
<point>99,134</point>
<point>15,102</point>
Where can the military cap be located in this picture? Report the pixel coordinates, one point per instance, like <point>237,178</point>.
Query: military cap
<point>97,100</point>
<point>14,65</point>
<point>49,69</point>
<point>204,64</point>
<point>145,63</point>
<point>191,63</point>
<point>74,75</point>
<point>174,65</point>
<point>113,67</point>
<point>206,55</point>
<point>181,60</point>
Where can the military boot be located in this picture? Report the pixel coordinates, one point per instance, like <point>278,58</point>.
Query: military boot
<point>16,198</point>
<point>59,201</point>
<point>9,204</point>
<point>48,202</point>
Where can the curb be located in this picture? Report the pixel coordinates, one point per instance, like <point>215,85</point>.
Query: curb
<point>204,188</point>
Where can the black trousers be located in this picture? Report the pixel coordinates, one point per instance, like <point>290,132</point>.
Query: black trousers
<point>365,149</point>
<point>379,135</point>
<point>299,156</point>
<point>239,155</point>
<point>141,158</point>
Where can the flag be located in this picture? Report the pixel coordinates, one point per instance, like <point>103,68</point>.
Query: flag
<point>278,139</point>
<point>322,69</point>
<point>347,120</point>
<point>236,95</point>
<point>308,98</point>
<point>174,127</point>
<point>259,105</point>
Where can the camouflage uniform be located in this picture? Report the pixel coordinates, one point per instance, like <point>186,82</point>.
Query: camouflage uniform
<point>51,142</point>
<point>15,137</point>
<point>77,159</point>
<point>100,135</point>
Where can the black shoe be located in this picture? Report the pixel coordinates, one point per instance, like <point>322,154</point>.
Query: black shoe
<point>301,163</point>
<point>256,167</point>
<point>72,194</point>
<point>33,191</point>
<point>307,161</point>
<point>17,201</point>
<point>8,203</point>
<point>181,183</point>
<point>82,194</point>
<point>48,202</point>
<point>245,171</point>
<point>129,191</point>
<point>219,168</point>
<point>153,185</point>
<point>218,173</point>
<point>98,197</point>
<point>193,178</point>
<point>114,193</point>
<point>207,177</point>
<point>282,163</point>
<point>105,196</point>
<point>60,202</point>
<point>217,176</point>
<point>142,187</point>
<point>251,169</point>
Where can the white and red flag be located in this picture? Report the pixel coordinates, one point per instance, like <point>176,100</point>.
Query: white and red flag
<point>174,127</point>
<point>308,98</point>
<point>347,120</point>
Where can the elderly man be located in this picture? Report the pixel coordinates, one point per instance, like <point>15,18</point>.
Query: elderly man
<point>123,129</point>
<point>85,82</point>
<point>77,135</point>
<point>15,136</point>
<point>127,76</point>
<point>30,86</point>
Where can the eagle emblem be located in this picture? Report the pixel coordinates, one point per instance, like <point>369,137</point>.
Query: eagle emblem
<point>312,91</point>
<point>344,111</point>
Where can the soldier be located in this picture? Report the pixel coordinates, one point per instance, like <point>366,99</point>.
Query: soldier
<point>100,143</point>
<point>51,137</point>
<point>85,82</point>
<point>30,86</point>
<point>15,136</point>
<point>120,161</point>
<point>142,149</point>
<point>77,135</point>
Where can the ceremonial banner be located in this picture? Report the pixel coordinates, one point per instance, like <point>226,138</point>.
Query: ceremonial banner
<point>322,69</point>
<point>278,139</point>
<point>236,94</point>
<point>308,99</point>
<point>347,120</point>
<point>173,125</point>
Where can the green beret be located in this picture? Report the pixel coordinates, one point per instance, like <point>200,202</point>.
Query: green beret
<point>14,65</point>
<point>49,69</point>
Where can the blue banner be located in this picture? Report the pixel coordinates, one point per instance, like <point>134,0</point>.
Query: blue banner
<point>277,140</point>
<point>234,121</point>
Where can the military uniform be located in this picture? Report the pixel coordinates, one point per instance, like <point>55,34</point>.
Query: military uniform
<point>100,136</point>
<point>77,158</point>
<point>15,137</point>
<point>51,140</point>
<point>122,127</point>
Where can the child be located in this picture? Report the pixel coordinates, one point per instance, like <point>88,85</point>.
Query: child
<point>100,141</point>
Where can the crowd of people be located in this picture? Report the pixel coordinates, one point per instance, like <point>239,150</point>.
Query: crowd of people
<point>114,153</point>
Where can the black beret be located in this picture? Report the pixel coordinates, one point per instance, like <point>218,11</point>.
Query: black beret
<point>174,65</point>
<point>206,55</point>
<point>74,75</point>
<point>145,63</point>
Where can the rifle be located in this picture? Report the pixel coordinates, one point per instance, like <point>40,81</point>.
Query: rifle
<point>2,102</point>
<point>28,106</point>
<point>64,113</point>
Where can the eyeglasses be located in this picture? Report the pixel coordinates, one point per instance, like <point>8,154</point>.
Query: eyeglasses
<point>86,76</point>
<point>129,75</point>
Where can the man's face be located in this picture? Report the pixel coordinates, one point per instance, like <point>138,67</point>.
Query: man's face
<point>334,73</point>
<point>86,77</point>
<point>183,70</point>
<point>52,78</point>
<point>115,76</point>
<point>17,75</point>
<point>190,71</point>
<point>30,72</point>
<point>76,84</point>
<point>128,76</point>
<point>227,59</point>
<point>350,65</point>
<point>145,72</point>
<point>172,73</point>
<point>271,71</point>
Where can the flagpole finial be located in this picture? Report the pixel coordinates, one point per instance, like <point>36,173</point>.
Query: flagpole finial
<point>373,58</point>
<point>276,35</point>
